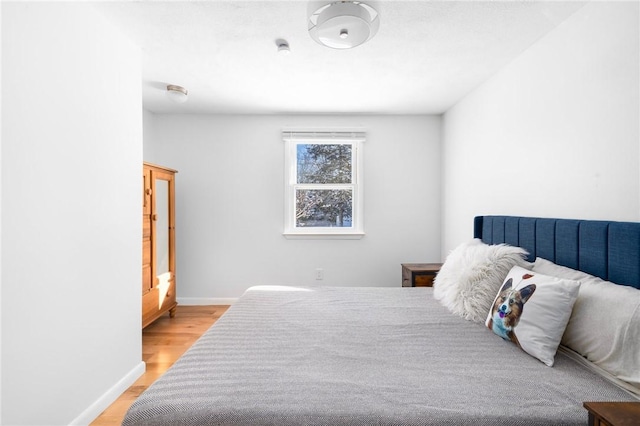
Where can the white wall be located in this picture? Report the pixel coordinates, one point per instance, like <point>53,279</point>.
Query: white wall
<point>1,274</point>
<point>555,133</point>
<point>230,202</point>
<point>71,165</point>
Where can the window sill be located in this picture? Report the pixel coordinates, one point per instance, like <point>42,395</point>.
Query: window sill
<point>323,236</point>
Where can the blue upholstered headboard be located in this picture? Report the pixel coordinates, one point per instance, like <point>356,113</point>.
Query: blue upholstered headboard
<point>609,250</point>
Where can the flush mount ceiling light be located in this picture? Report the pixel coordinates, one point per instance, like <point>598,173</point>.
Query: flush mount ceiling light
<point>283,47</point>
<point>343,24</point>
<point>177,94</point>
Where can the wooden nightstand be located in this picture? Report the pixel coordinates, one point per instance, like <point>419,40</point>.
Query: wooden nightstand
<point>613,413</point>
<point>419,274</point>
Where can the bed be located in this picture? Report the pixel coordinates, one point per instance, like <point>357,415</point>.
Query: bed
<point>284,355</point>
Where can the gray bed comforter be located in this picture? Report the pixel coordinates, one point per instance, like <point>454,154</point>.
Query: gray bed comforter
<point>362,356</point>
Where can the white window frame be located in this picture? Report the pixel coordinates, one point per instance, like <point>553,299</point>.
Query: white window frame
<point>292,139</point>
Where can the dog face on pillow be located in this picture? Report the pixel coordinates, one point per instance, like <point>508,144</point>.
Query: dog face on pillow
<point>508,307</point>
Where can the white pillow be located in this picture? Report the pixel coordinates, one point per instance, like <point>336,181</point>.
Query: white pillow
<point>605,324</point>
<point>471,275</point>
<point>532,310</point>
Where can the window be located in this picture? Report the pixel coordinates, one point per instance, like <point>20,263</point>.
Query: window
<point>323,189</point>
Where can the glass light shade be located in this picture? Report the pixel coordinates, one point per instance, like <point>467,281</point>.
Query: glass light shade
<point>344,25</point>
<point>177,94</point>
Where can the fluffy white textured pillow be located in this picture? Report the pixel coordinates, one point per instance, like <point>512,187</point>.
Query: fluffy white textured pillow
<point>532,310</point>
<point>605,324</point>
<point>471,275</point>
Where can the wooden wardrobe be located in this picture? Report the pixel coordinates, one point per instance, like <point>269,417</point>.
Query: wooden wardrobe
<point>158,243</point>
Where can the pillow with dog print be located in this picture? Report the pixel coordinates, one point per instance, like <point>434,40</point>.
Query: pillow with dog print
<point>532,310</point>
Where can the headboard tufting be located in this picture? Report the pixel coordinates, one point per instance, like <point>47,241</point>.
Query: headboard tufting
<point>607,249</point>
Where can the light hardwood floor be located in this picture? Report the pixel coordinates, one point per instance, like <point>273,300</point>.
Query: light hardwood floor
<point>163,342</point>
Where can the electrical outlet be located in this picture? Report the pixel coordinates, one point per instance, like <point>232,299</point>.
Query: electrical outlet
<point>319,274</point>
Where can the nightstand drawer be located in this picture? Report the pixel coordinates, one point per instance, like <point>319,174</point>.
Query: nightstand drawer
<point>419,274</point>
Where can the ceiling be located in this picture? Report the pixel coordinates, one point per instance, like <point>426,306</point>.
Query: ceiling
<point>426,56</point>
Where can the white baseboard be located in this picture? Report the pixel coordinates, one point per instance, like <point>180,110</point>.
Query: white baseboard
<point>205,301</point>
<point>109,397</point>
